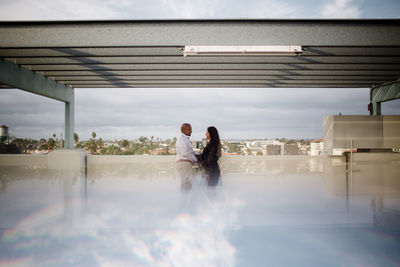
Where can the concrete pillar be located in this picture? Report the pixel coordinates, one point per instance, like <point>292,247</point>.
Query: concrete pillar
<point>69,122</point>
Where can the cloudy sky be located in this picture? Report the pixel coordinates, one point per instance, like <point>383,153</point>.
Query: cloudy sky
<point>237,113</point>
<point>143,9</point>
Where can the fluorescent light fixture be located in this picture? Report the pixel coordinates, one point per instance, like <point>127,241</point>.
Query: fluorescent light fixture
<point>273,50</point>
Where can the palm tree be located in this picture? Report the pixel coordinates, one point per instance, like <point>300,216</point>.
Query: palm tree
<point>100,143</point>
<point>94,135</point>
<point>51,144</point>
<point>125,143</point>
<point>166,150</point>
<point>92,146</point>
<point>142,139</point>
<point>76,138</point>
<point>151,142</point>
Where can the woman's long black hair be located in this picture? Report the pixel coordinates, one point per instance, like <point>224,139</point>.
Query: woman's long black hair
<point>214,139</point>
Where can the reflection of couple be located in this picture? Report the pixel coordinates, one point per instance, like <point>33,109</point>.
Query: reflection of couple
<point>186,157</point>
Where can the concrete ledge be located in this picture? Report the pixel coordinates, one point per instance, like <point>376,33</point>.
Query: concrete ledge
<point>23,160</point>
<point>67,159</point>
<point>391,131</point>
<point>108,159</point>
<point>358,131</point>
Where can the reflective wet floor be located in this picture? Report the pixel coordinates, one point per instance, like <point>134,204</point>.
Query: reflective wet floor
<point>265,211</point>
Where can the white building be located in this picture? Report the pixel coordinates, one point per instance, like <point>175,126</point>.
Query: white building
<point>316,147</point>
<point>258,145</point>
<point>262,143</point>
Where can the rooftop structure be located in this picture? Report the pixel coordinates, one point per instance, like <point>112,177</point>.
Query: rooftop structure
<point>335,53</point>
<point>53,58</point>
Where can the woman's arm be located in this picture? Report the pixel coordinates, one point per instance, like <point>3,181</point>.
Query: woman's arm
<point>212,154</point>
<point>203,156</point>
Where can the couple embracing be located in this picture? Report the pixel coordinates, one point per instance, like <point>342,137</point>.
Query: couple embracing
<point>208,159</point>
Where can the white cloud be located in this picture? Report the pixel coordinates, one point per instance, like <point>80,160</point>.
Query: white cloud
<point>56,10</point>
<point>269,9</point>
<point>341,9</point>
<point>188,9</point>
<point>108,234</point>
<point>192,8</point>
<point>124,9</point>
<point>230,9</point>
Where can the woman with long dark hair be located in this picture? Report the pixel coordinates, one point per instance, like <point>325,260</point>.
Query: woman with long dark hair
<point>211,154</point>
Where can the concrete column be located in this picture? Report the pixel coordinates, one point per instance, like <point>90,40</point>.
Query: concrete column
<point>376,108</point>
<point>69,122</point>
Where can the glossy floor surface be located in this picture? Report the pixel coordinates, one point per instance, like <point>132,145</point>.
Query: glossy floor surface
<point>265,211</point>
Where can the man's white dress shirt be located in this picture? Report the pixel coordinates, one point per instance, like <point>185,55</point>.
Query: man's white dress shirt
<point>184,149</point>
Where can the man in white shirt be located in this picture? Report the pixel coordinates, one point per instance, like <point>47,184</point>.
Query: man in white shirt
<point>185,157</point>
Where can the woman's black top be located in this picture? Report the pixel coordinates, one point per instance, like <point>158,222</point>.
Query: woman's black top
<point>209,155</point>
<point>209,160</point>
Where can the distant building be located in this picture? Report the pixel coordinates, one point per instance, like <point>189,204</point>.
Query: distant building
<point>267,146</point>
<point>291,149</point>
<point>274,150</point>
<point>249,144</point>
<point>262,143</point>
<point>304,149</point>
<point>109,144</point>
<point>235,142</point>
<point>316,147</point>
<point>199,145</point>
<point>9,149</point>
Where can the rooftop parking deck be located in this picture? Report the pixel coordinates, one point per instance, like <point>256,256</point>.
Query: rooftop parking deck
<point>133,210</point>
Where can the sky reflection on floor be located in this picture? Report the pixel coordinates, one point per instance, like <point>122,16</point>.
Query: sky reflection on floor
<point>304,211</point>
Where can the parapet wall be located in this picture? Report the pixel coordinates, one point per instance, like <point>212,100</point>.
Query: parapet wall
<point>63,159</point>
<point>358,131</point>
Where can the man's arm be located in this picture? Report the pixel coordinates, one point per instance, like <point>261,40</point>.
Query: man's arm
<point>190,154</point>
